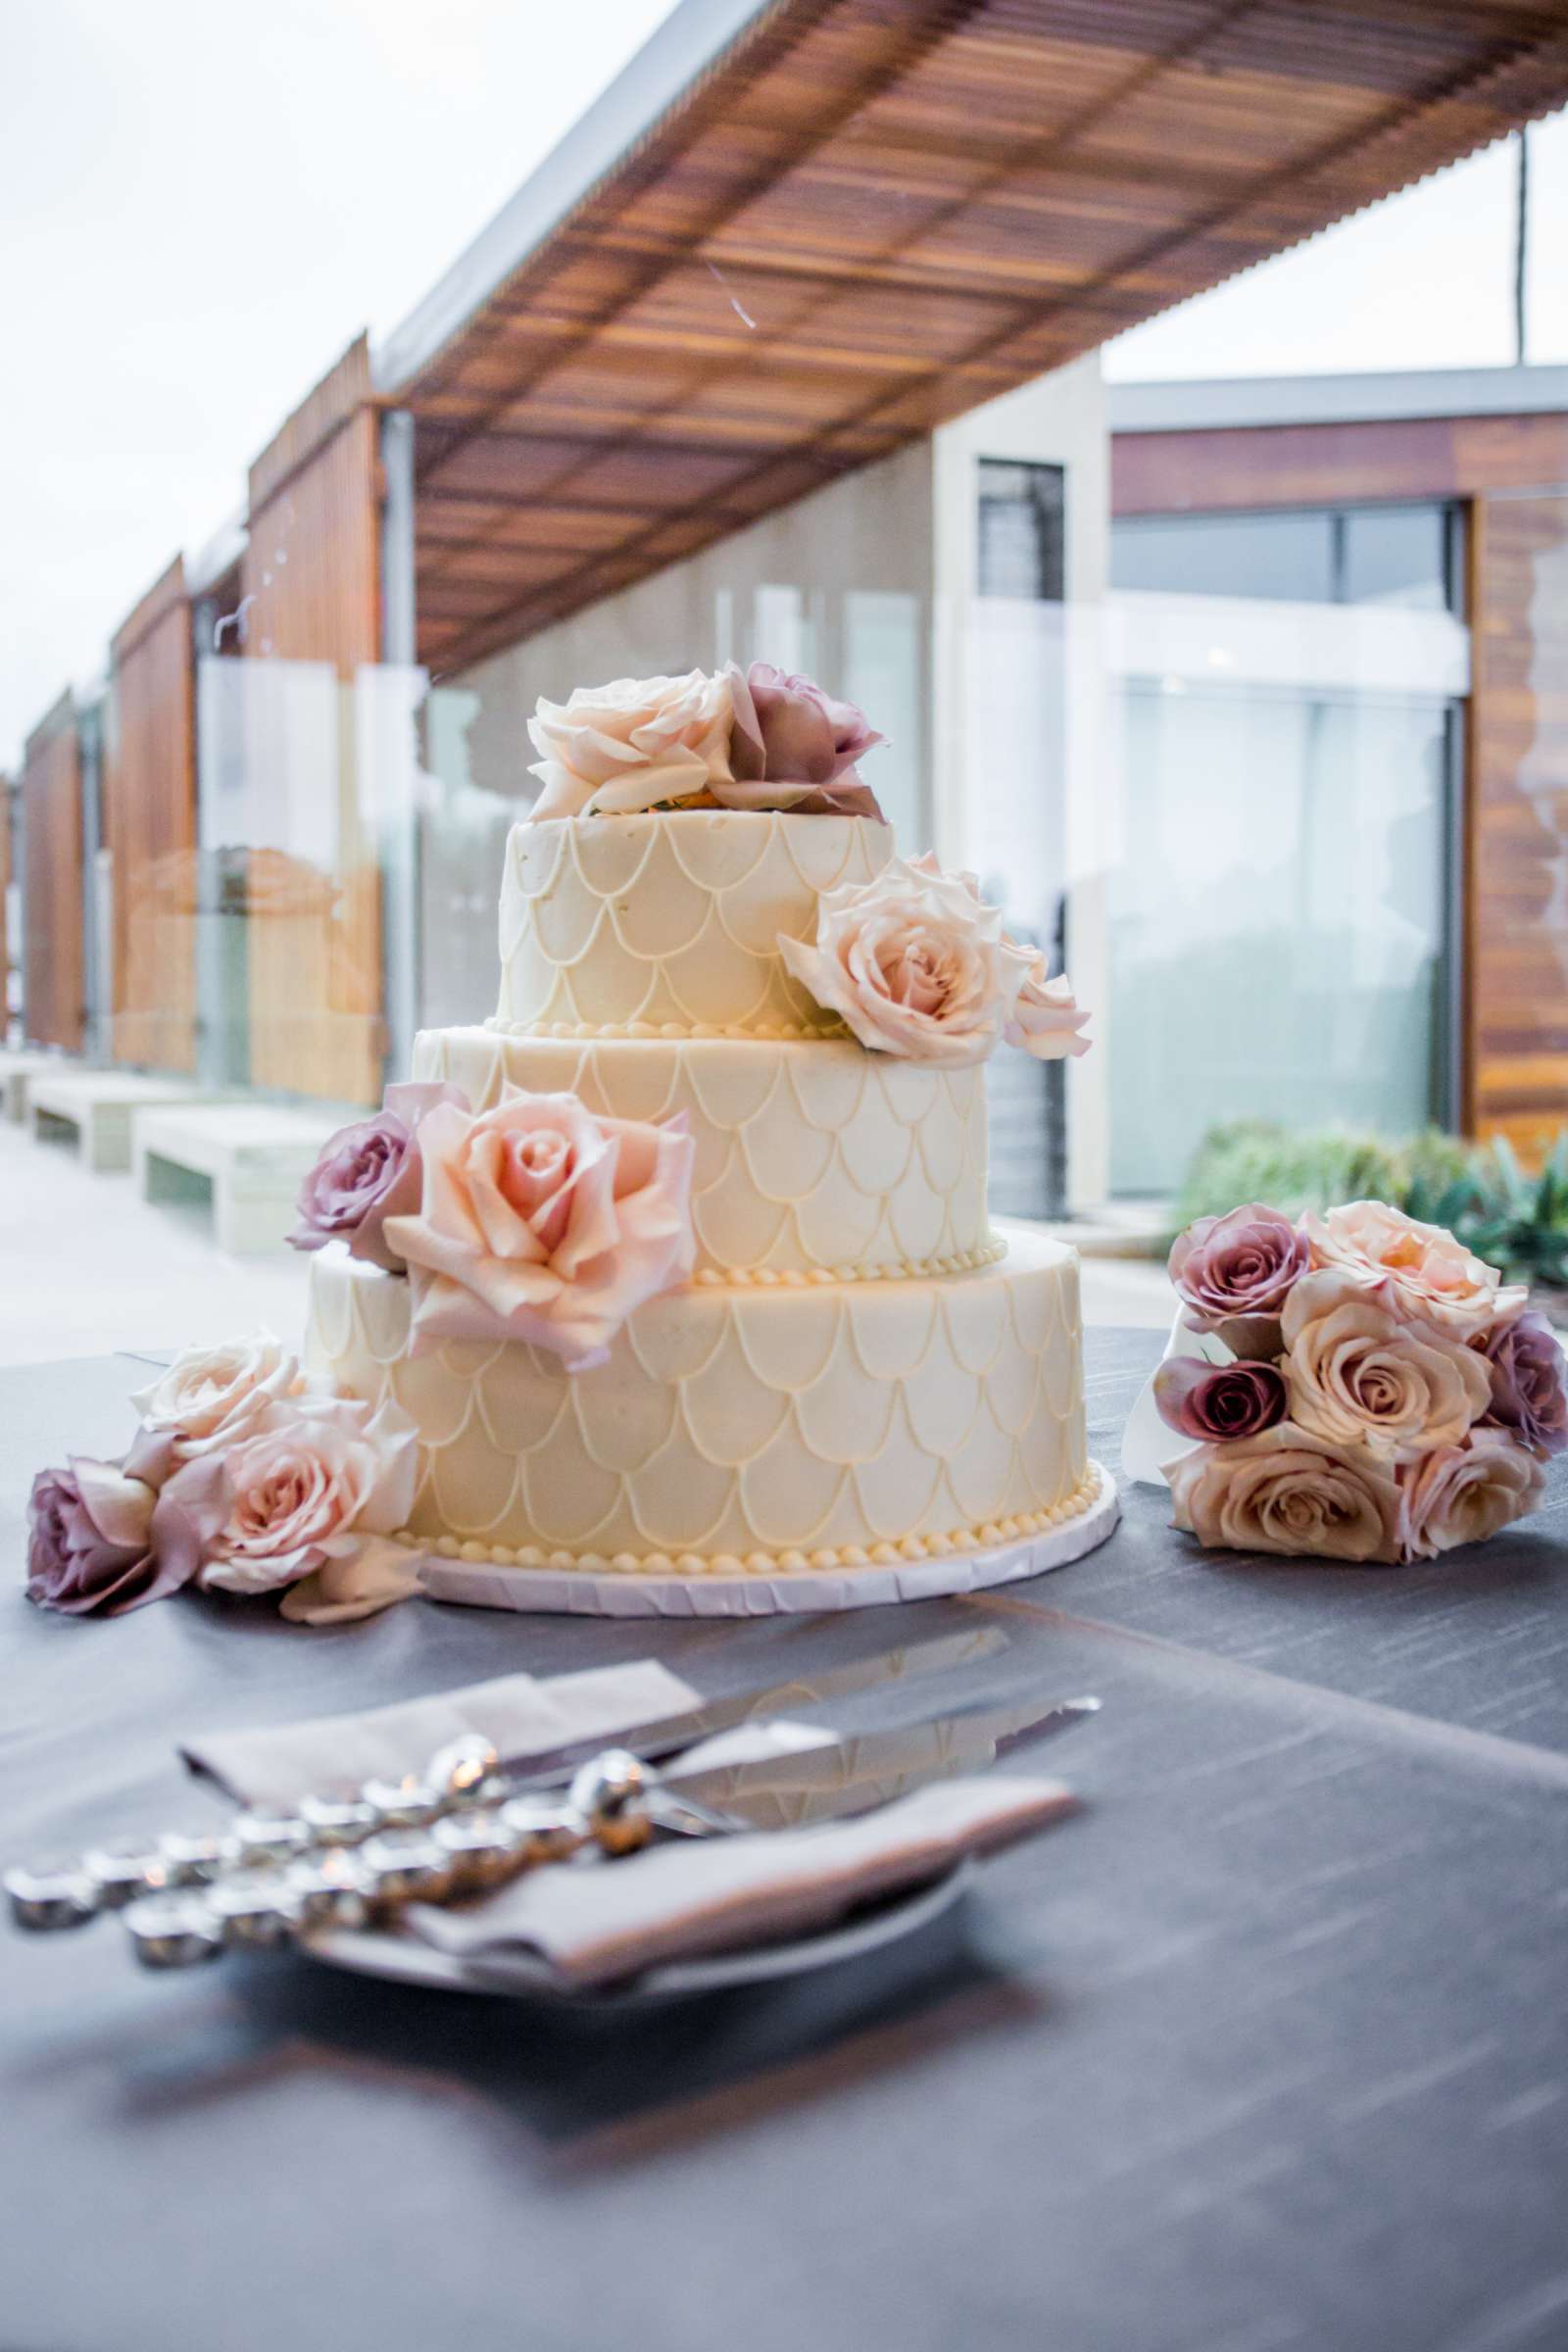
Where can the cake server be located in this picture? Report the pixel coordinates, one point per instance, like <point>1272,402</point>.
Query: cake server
<point>769,1774</point>
<point>67,1895</point>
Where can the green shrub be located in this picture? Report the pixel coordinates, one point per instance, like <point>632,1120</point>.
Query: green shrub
<point>1257,1160</point>
<point>1512,1221</point>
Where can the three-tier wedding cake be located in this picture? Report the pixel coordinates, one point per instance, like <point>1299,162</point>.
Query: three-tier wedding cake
<point>689,1269</point>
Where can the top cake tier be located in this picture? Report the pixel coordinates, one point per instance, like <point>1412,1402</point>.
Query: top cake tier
<point>667,925</point>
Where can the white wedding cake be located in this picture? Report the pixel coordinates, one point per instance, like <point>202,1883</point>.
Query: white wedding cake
<point>792,1339</point>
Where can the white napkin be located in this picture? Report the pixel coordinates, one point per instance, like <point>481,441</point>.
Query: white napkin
<point>519,1715</point>
<point>1149,1442</point>
<point>597,1921</point>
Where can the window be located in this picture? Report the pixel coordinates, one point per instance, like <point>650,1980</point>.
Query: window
<point>1397,556</point>
<point>1278,916</point>
<point>1022,531</point>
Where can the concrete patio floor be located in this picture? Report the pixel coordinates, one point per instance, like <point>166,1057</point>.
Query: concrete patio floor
<point>87,1267</point>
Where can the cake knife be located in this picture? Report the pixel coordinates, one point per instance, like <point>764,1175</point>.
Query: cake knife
<point>770,1774</point>
<point>468,1771</point>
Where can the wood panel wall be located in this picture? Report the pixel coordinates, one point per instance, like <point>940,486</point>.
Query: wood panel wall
<point>312,575</point>
<point>1509,475</point>
<point>1517,917</point>
<point>149,829</point>
<point>1236,468</point>
<point>54,962</point>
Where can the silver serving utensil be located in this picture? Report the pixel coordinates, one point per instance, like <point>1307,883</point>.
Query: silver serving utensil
<point>618,1801</point>
<point>466,1772</point>
<point>786,1775</point>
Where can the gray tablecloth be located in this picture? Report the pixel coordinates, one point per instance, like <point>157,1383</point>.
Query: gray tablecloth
<point>1268,2049</point>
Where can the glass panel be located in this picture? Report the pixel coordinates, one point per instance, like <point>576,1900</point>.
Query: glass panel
<point>1397,556</point>
<point>1277,915</point>
<point>1289,555</point>
<point>1016,698</point>
<point>296,777</point>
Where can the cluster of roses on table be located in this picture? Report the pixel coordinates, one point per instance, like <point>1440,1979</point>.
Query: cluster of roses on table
<point>1388,1397</point>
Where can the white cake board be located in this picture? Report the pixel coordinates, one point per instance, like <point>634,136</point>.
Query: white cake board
<point>579,1592</point>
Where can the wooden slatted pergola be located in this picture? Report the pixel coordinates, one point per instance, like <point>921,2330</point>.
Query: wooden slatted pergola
<point>814,229</point>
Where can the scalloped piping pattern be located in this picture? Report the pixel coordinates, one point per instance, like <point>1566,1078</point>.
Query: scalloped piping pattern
<point>976,1392</point>
<point>832,1164</point>
<point>658,853</point>
<point>769,1563</point>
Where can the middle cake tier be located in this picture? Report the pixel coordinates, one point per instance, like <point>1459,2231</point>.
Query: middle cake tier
<point>815,1160</point>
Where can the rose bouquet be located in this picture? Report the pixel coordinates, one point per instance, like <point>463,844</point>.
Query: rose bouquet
<point>246,1475</point>
<point>1358,1388</point>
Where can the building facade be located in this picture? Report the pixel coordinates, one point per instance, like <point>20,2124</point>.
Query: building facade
<point>1244,701</point>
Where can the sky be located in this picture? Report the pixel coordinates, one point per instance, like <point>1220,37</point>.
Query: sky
<point>200,207</point>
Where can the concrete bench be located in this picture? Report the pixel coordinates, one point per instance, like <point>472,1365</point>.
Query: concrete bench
<point>18,1066</point>
<point>99,1104</point>
<point>247,1159</point>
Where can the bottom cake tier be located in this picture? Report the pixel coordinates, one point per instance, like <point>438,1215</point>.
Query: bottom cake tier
<point>741,1428</point>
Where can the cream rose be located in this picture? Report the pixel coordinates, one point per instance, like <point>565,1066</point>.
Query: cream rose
<point>1359,1371</point>
<point>1046,1019</point>
<point>309,1483</point>
<point>915,962</point>
<point>539,1222</point>
<point>1432,1274</point>
<point>206,1398</point>
<point>610,750</point>
<point>1464,1493</point>
<point>1289,1492</point>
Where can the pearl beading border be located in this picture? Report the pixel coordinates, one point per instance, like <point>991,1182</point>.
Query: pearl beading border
<point>898,1270</point>
<point>769,1563</point>
<point>765,1030</point>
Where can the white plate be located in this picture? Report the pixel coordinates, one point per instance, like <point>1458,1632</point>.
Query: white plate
<point>579,1592</point>
<point>404,1960</point>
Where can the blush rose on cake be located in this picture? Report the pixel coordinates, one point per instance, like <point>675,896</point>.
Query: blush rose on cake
<point>1387,1396</point>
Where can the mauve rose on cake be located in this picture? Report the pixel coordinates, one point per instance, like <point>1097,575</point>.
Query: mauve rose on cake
<point>368,1172</point>
<point>794,747</point>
